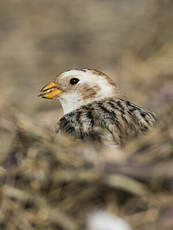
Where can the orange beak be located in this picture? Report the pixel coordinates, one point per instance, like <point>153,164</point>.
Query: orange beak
<point>50,91</point>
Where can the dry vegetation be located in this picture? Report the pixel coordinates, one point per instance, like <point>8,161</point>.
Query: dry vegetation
<point>49,181</point>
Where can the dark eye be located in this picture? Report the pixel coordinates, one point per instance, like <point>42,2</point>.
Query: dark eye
<point>74,81</point>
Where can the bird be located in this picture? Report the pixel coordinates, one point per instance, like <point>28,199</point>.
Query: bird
<point>94,109</point>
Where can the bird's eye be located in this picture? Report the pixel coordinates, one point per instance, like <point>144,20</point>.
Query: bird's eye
<point>74,81</point>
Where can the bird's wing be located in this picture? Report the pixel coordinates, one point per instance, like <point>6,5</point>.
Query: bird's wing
<point>124,119</point>
<point>143,118</point>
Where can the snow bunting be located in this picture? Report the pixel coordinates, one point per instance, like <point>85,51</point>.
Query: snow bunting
<point>93,108</point>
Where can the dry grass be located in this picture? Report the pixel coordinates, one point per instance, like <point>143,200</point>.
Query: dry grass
<point>52,182</point>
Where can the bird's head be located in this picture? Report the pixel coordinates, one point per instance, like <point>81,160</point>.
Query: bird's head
<point>75,88</point>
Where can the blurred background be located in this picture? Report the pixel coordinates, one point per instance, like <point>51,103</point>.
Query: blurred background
<point>45,184</point>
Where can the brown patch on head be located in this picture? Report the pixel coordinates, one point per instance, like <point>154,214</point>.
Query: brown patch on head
<point>98,73</point>
<point>94,71</point>
<point>88,92</point>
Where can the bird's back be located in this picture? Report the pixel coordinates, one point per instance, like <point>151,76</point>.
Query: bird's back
<point>111,118</point>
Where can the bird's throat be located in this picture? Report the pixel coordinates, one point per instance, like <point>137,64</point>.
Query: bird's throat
<point>70,103</point>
